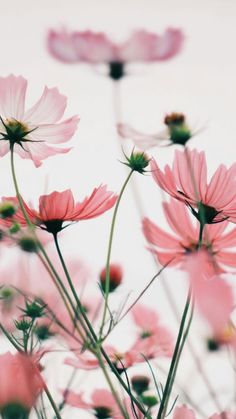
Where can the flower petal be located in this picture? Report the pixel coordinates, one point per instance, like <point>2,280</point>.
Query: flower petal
<point>12,97</point>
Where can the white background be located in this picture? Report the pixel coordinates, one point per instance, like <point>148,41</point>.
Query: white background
<point>200,82</point>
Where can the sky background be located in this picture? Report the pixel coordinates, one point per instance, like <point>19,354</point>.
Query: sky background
<point>200,82</point>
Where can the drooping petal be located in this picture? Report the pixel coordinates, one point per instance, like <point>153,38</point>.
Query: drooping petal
<point>38,151</point>
<point>141,140</point>
<point>12,97</point>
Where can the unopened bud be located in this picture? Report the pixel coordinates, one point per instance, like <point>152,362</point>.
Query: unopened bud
<point>28,244</point>
<point>7,209</point>
<point>179,131</point>
<point>115,277</point>
<point>140,383</point>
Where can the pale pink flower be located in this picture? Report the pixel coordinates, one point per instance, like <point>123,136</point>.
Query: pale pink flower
<point>102,404</point>
<point>213,296</point>
<point>183,413</point>
<point>223,415</point>
<point>21,382</point>
<point>30,132</point>
<point>58,207</point>
<point>187,182</point>
<point>154,340</point>
<point>91,47</point>
<point>173,248</point>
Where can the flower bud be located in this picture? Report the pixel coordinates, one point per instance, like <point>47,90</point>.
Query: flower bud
<point>7,209</point>
<point>140,383</point>
<point>138,161</point>
<point>115,275</point>
<point>34,309</point>
<point>28,244</point>
<point>149,401</point>
<point>178,129</point>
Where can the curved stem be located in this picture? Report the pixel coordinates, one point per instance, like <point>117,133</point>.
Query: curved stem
<point>107,282</point>
<point>53,404</point>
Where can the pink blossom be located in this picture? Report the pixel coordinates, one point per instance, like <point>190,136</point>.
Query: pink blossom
<point>187,182</point>
<point>91,47</point>
<point>223,415</point>
<point>101,402</point>
<point>173,248</point>
<point>20,379</point>
<point>30,131</point>
<point>183,413</point>
<point>58,207</point>
<point>213,296</point>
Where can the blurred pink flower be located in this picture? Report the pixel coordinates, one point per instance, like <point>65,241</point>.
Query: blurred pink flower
<point>214,296</point>
<point>223,415</point>
<point>187,182</point>
<point>92,47</point>
<point>102,404</point>
<point>30,131</point>
<point>58,207</point>
<point>183,413</point>
<point>21,382</point>
<point>173,249</point>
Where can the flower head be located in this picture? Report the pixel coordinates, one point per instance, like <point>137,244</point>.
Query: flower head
<point>21,384</point>
<point>28,132</point>
<point>187,181</point>
<point>58,207</point>
<point>115,277</point>
<point>94,48</point>
<point>174,248</point>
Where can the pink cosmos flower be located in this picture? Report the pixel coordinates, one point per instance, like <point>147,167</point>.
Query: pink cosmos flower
<point>213,296</point>
<point>58,207</point>
<point>173,249</point>
<point>95,48</point>
<point>21,383</point>
<point>183,413</point>
<point>177,131</point>
<point>187,182</point>
<point>154,340</point>
<point>102,404</point>
<point>30,131</point>
<point>223,415</point>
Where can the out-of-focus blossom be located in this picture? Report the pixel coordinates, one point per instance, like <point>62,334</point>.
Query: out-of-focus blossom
<point>223,415</point>
<point>176,132</point>
<point>115,277</point>
<point>173,249</point>
<point>58,207</point>
<point>28,132</point>
<point>21,384</point>
<point>102,404</point>
<point>183,413</point>
<point>214,296</point>
<point>187,181</point>
<point>94,48</point>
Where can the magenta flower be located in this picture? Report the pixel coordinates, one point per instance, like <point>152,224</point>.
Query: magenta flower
<point>173,249</point>
<point>21,384</point>
<point>94,48</point>
<point>28,132</point>
<point>187,181</point>
<point>58,207</point>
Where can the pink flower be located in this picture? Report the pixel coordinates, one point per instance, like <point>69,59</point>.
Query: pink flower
<point>213,296</point>
<point>21,382</point>
<point>102,404</point>
<point>58,207</point>
<point>187,182</point>
<point>223,415</point>
<point>154,340</point>
<point>177,132</point>
<point>183,413</point>
<point>30,131</point>
<point>173,249</point>
<point>93,48</point>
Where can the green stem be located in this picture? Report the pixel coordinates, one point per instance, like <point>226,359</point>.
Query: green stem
<point>53,404</point>
<point>167,389</point>
<point>107,281</point>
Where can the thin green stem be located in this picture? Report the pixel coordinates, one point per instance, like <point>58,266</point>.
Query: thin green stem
<point>53,404</point>
<point>166,393</point>
<point>107,281</point>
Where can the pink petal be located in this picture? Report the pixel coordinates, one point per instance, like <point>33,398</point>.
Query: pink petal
<point>61,45</point>
<point>144,317</point>
<point>94,47</point>
<point>160,238</point>
<point>56,133</point>
<point>183,413</point>
<point>56,206</point>
<point>76,400</point>
<point>142,141</point>
<point>37,151</point>
<point>12,97</point>
<point>49,108</point>
<point>97,203</point>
